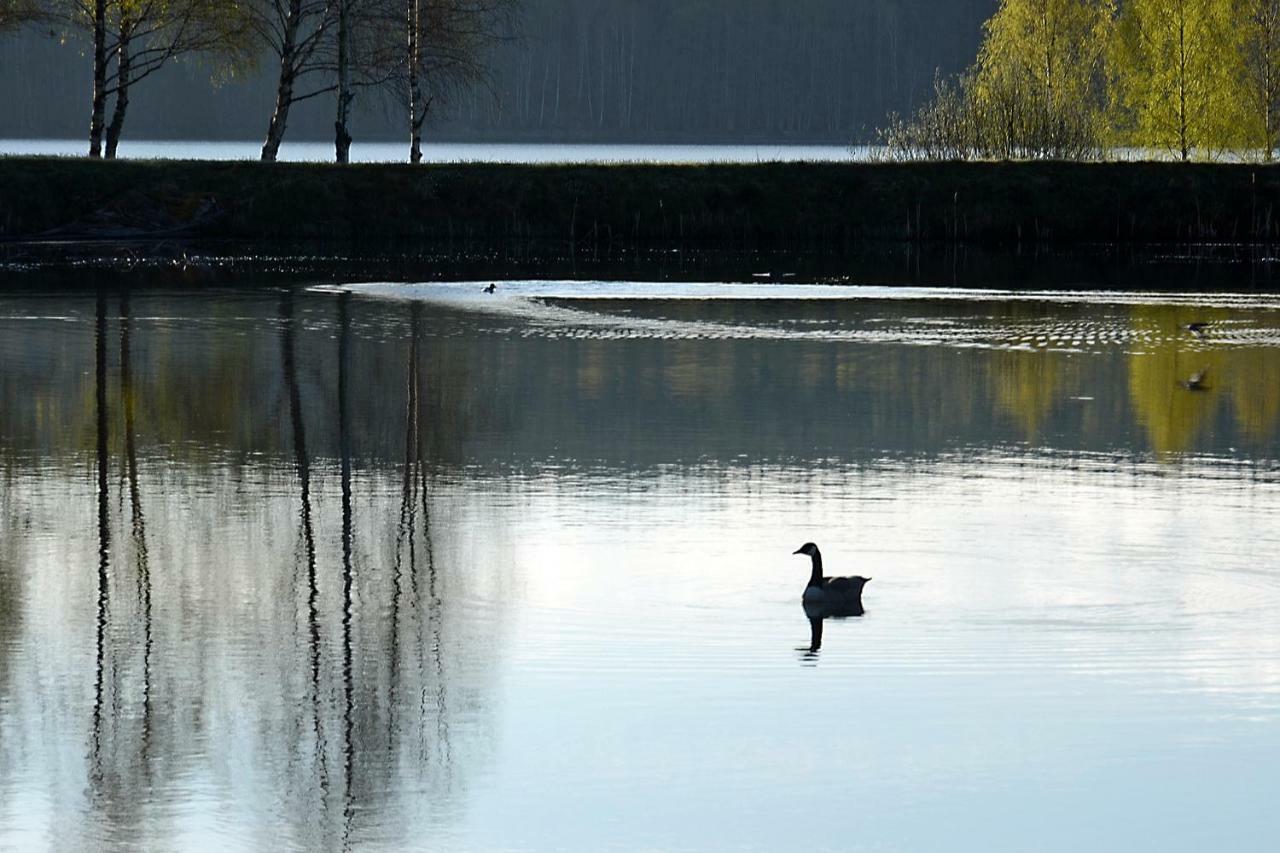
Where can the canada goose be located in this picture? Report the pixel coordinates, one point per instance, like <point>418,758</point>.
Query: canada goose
<point>1196,382</point>
<point>832,596</point>
<point>492,288</point>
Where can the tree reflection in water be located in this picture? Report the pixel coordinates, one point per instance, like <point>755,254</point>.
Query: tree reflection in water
<point>369,700</point>
<point>104,533</point>
<point>340,717</point>
<point>1025,382</point>
<point>138,524</point>
<point>120,732</point>
<point>302,461</point>
<point>314,619</point>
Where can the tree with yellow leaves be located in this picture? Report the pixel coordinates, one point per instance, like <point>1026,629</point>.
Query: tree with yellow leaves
<point>1258,29</point>
<point>1174,75</point>
<point>1038,83</point>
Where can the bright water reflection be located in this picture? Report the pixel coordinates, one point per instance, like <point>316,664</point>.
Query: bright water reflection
<point>450,152</point>
<point>300,570</point>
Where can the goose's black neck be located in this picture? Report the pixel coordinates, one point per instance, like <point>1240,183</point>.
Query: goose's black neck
<point>815,579</point>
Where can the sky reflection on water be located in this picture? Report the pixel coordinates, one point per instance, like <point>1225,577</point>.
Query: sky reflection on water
<point>398,573</point>
<point>446,152</point>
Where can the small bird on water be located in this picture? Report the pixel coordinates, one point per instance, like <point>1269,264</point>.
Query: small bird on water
<point>1196,382</point>
<point>1197,328</point>
<point>492,288</point>
<point>833,596</point>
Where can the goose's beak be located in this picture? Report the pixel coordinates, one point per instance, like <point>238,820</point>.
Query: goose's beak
<point>797,551</point>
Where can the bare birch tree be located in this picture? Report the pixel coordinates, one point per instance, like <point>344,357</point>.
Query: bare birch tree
<point>298,34</point>
<point>323,47</point>
<point>347,10</point>
<point>421,52</point>
<point>429,51</point>
<point>132,40</point>
<point>149,34</point>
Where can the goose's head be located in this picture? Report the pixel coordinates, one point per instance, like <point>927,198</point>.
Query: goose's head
<point>808,549</point>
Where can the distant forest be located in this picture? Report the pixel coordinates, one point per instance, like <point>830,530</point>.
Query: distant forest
<point>579,70</point>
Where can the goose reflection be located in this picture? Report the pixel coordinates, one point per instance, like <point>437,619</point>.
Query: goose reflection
<point>817,613</point>
<point>1197,381</point>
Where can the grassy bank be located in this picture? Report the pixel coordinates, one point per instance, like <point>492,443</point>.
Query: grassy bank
<point>801,206</point>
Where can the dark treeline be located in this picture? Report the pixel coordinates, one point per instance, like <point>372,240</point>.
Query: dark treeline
<point>821,207</point>
<point>581,70</point>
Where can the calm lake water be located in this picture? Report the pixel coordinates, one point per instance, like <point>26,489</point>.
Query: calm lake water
<point>414,567</point>
<point>446,152</point>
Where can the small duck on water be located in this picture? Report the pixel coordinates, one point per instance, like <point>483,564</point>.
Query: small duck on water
<point>492,288</point>
<point>832,596</point>
<point>1197,381</point>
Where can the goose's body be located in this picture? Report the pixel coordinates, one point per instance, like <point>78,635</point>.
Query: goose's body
<point>831,596</point>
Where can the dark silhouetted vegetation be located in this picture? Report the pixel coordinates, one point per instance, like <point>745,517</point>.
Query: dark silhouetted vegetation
<point>794,205</point>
